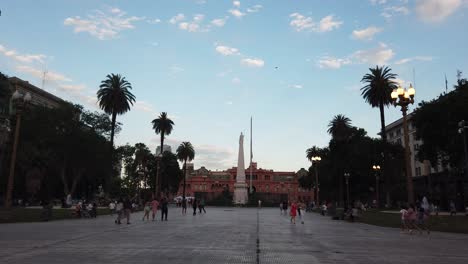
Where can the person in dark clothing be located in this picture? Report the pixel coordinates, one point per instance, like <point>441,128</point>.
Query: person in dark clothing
<point>194,205</point>
<point>164,209</point>
<point>127,209</point>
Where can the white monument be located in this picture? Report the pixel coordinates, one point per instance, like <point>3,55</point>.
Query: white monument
<point>240,187</point>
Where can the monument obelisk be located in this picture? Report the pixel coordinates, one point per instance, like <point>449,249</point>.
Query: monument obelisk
<point>240,187</point>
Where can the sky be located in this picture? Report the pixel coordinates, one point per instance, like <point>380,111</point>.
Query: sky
<point>212,64</point>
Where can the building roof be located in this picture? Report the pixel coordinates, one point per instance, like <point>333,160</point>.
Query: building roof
<point>398,122</point>
<point>35,90</point>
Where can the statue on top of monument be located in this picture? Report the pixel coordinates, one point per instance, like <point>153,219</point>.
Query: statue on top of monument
<point>241,139</point>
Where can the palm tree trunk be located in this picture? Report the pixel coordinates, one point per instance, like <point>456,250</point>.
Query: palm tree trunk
<point>385,172</point>
<point>114,117</point>
<point>185,174</point>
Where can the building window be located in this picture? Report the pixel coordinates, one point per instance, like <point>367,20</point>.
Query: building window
<point>267,177</point>
<point>398,132</point>
<point>267,188</point>
<point>416,146</point>
<point>399,141</point>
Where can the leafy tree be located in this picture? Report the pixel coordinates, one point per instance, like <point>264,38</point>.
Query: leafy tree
<point>115,98</point>
<point>185,152</point>
<point>380,83</point>
<point>339,127</point>
<point>163,126</point>
<point>100,123</point>
<point>436,124</point>
<point>171,174</point>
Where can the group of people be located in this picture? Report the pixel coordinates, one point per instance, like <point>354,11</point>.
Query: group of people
<point>295,210</point>
<point>86,210</point>
<point>415,217</point>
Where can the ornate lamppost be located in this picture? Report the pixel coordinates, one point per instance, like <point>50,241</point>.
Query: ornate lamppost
<point>19,101</point>
<point>347,175</point>
<point>316,160</point>
<point>376,169</point>
<point>404,97</point>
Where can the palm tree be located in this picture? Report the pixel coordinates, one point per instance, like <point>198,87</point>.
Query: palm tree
<point>162,125</point>
<point>115,98</point>
<point>339,127</point>
<point>379,85</point>
<point>185,152</point>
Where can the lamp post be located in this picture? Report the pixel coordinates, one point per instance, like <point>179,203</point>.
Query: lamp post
<point>316,160</point>
<point>157,180</point>
<point>376,169</point>
<point>20,101</point>
<point>403,97</point>
<point>347,175</point>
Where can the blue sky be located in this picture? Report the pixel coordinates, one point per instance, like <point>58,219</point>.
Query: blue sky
<point>212,64</point>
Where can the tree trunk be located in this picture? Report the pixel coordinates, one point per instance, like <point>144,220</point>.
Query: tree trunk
<point>76,180</point>
<point>384,166</point>
<point>114,117</point>
<point>63,176</point>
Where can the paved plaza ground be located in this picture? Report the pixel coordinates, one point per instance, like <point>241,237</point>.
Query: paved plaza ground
<point>223,235</point>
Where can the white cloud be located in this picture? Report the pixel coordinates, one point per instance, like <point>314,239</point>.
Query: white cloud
<point>103,25</point>
<point>200,2</point>
<point>253,62</point>
<point>176,69</point>
<point>380,2</point>
<point>328,24</point>
<point>219,22</point>
<point>49,76</point>
<point>300,22</point>
<point>236,3</point>
<point>177,18</point>
<point>367,33</point>
<point>24,58</point>
<point>296,86</point>
<point>392,11</point>
<point>226,51</point>
<point>401,82</point>
<point>332,63</point>
<point>72,87</point>
<point>254,9</point>
<point>154,21</point>
<point>436,10</point>
<point>235,80</point>
<point>237,13</point>
<point>416,58</point>
<point>377,56</point>
<point>144,107</point>
<point>228,102</point>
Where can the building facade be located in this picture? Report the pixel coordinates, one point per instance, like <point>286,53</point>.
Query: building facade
<point>268,185</point>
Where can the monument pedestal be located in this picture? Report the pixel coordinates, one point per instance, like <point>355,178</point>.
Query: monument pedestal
<point>241,195</point>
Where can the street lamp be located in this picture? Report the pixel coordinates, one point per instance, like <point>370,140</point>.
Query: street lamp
<point>19,101</point>
<point>347,175</point>
<point>316,159</point>
<point>376,169</point>
<point>403,97</point>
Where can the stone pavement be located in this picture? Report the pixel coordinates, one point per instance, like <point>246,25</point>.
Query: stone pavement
<point>223,235</point>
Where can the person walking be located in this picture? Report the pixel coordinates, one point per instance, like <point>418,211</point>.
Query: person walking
<point>202,205</point>
<point>281,208</point>
<point>154,207</point>
<point>453,209</point>
<point>119,210</point>
<point>404,219</point>
<point>293,212</point>
<point>147,210</point>
<point>112,207</point>
<point>127,209</point>
<point>184,206</point>
<point>194,205</point>
<point>164,209</point>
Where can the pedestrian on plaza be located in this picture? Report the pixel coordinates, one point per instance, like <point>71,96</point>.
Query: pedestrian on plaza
<point>194,205</point>
<point>423,217</point>
<point>324,209</point>
<point>293,212</point>
<point>404,219</point>
<point>184,206</point>
<point>147,210</point>
<point>259,203</point>
<point>154,207</point>
<point>285,207</point>
<point>112,207</point>
<point>201,206</point>
<point>164,208</point>
<point>412,216</point>
<point>281,208</point>
<point>119,208</point>
<point>453,208</point>
<point>127,209</point>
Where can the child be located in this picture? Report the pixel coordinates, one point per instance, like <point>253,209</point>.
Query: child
<point>147,210</point>
<point>404,219</point>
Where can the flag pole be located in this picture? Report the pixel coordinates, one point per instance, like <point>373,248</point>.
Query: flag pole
<point>251,189</point>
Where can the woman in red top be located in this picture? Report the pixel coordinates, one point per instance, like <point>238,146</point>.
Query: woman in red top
<point>293,212</point>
